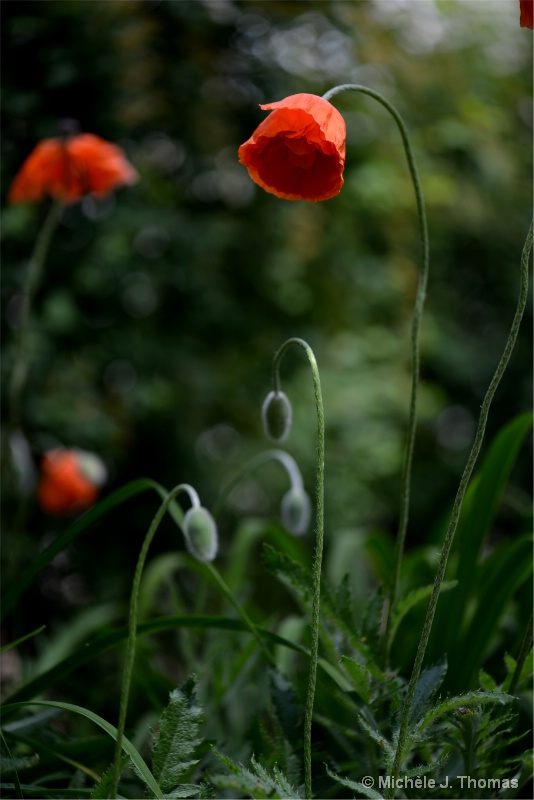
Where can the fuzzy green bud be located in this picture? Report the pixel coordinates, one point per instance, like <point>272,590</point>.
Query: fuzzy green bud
<point>200,532</point>
<point>296,511</point>
<point>276,414</point>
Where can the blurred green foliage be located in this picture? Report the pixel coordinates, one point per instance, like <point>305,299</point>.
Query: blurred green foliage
<point>161,307</point>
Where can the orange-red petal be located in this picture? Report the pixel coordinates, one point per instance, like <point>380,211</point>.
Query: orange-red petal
<point>526,19</point>
<point>298,151</point>
<point>63,489</point>
<point>67,170</point>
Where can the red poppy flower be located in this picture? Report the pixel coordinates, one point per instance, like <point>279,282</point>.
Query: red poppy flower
<point>526,19</point>
<point>298,151</point>
<point>67,169</point>
<point>69,481</point>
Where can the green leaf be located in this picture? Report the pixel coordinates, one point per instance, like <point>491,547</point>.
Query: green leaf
<point>476,519</point>
<point>260,783</point>
<point>288,710</point>
<point>102,789</point>
<point>468,699</point>
<point>486,681</point>
<point>356,786</point>
<point>372,619</point>
<point>127,746</point>
<point>360,677</point>
<point>502,574</point>
<point>178,736</point>
<point>429,682</point>
<point>412,599</point>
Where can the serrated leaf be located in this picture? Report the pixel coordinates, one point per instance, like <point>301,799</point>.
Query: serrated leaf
<point>468,699</point>
<point>260,783</point>
<point>102,789</point>
<point>178,736</point>
<point>276,779</point>
<point>429,682</point>
<point>372,617</point>
<point>288,710</point>
<point>343,603</point>
<point>356,786</point>
<point>360,677</point>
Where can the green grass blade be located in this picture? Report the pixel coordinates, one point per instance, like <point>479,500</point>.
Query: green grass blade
<point>22,639</point>
<point>505,571</point>
<point>127,746</point>
<point>480,506</point>
<point>108,639</point>
<point>81,524</point>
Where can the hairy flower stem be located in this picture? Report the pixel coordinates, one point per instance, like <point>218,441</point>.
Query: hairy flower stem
<point>132,623</point>
<point>317,562</point>
<point>402,742</point>
<point>22,343</point>
<point>416,325</point>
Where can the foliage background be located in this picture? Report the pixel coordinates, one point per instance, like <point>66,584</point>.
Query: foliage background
<point>162,306</point>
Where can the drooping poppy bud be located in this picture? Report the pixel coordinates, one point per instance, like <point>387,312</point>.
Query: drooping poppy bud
<point>298,151</point>
<point>65,485</point>
<point>276,415</point>
<point>296,511</point>
<point>67,169</point>
<point>200,532</point>
<point>526,18</point>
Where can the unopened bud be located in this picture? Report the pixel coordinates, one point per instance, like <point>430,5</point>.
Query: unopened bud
<point>276,415</point>
<point>296,511</point>
<point>200,533</point>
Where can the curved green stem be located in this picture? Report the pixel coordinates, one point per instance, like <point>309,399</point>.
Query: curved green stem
<point>402,742</point>
<point>22,343</point>
<point>317,562</point>
<point>416,325</point>
<point>132,631</point>
<point>287,461</point>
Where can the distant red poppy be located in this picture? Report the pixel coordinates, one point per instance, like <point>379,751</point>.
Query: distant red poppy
<point>526,7</point>
<point>67,169</point>
<point>298,151</point>
<point>69,481</point>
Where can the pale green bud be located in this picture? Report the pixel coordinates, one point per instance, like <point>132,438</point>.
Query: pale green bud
<point>200,533</point>
<point>296,511</point>
<point>276,415</point>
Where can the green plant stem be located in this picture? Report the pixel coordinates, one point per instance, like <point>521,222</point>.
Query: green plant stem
<point>21,362</point>
<point>218,578</point>
<point>132,626</point>
<point>457,506</point>
<point>416,326</point>
<point>317,562</point>
<point>524,650</point>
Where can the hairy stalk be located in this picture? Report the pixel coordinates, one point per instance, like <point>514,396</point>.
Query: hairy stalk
<point>22,343</point>
<point>524,650</point>
<point>416,325</point>
<point>132,624</point>
<point>455,514</point>
<point>317,562</point>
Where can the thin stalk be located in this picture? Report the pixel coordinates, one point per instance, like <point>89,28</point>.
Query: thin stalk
<point>317,562</point>
<point>216,575</point>
<point>415,335</point>
<point>524,650</point>
<point>132,625</point>
<point>22,343</point>
<point>457,507</point>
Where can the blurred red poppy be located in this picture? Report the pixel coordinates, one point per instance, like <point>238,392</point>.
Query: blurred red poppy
<point>298,151</point>
<point>67,169</point>
<point>526,19</point>
<point>69,481</point>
